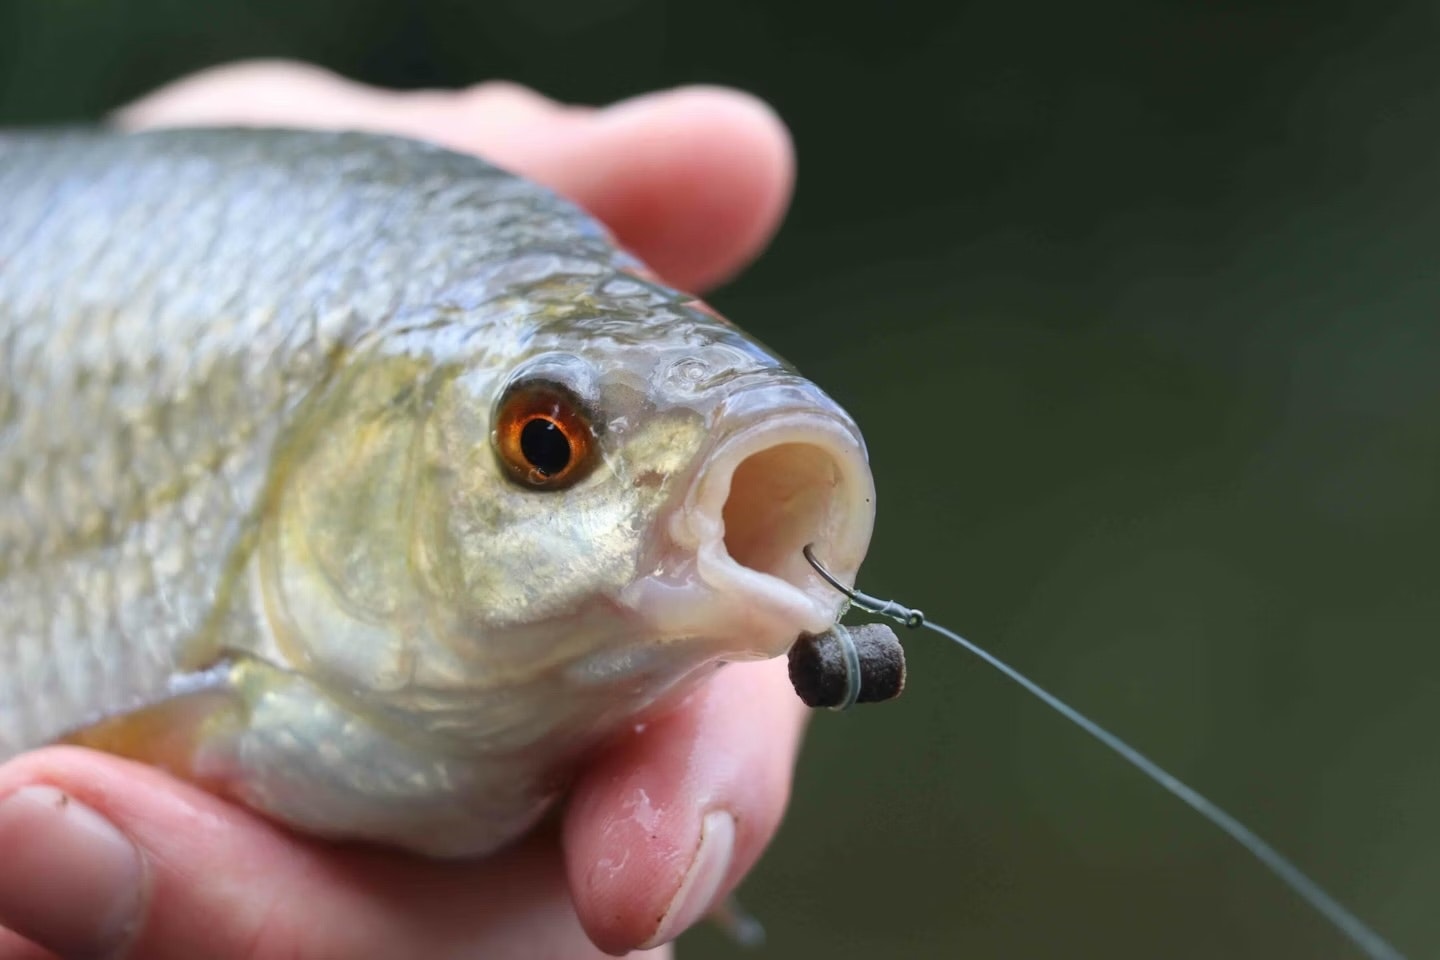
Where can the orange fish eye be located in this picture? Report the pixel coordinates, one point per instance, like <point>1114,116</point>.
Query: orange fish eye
<point>543,436</point>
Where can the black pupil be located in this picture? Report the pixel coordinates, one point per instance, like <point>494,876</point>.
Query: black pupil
<point>545,447</point>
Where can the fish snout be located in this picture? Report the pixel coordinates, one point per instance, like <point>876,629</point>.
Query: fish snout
<point>786,467</point>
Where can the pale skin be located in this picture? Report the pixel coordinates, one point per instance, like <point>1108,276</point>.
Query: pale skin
<point>104,857</point>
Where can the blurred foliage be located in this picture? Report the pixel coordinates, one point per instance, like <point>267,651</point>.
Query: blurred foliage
<point>1137,303</point>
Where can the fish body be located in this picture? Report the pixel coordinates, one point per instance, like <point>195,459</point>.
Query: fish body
<point>370,485</point>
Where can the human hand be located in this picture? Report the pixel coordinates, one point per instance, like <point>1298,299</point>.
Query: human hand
<point>103,857</point>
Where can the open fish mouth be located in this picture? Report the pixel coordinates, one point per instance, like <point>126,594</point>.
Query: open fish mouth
<point>735,570</point>
<point>775,488</point>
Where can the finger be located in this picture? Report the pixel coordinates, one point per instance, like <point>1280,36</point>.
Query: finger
<point>665,824</point>
<point>103,855</point>
<point>694,180</point>
<point>15,947</point>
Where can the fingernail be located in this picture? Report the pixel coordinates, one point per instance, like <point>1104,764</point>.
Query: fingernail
<point>701,885</point>
<point>70,881</point>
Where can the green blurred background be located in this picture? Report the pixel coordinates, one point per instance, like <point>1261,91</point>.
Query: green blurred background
<point>1139,305</point>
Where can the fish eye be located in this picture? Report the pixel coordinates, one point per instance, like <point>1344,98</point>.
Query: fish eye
<point>543,436</point>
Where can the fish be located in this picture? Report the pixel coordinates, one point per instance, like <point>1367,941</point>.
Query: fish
<point>372,486</point>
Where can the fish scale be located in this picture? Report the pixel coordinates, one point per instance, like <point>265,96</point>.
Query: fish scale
<point>133,481</point>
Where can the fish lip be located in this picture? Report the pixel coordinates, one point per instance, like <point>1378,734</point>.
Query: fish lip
<point>701,589</point>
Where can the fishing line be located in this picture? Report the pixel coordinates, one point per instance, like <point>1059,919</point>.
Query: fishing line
<point>853,677</point>
<point>1367,940</point>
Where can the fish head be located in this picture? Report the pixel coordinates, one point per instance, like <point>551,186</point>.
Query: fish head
<point>628,499</point>
<point>547,514</point>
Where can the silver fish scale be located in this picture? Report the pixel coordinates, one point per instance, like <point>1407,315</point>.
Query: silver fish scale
<point>165,300</point>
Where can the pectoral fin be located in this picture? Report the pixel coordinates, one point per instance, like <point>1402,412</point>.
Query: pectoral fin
<point>173,733</point>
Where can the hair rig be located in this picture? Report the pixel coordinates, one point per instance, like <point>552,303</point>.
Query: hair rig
<point>848,665</point>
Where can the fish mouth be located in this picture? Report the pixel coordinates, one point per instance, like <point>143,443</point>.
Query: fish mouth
<point>734,571</point>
